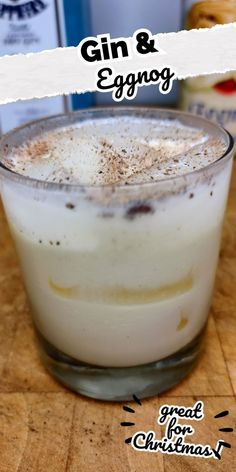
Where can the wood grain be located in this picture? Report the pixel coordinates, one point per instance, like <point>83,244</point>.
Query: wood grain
<point>45,428</point>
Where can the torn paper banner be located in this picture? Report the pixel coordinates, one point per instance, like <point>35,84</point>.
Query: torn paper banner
<point>64,71</point>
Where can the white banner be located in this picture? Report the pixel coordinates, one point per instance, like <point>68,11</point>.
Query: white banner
<point>64,71</point>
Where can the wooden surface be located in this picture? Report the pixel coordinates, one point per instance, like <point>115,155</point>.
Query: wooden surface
<point>45,428</point>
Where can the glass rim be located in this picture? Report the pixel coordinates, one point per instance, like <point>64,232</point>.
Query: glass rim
<point>68,187</point>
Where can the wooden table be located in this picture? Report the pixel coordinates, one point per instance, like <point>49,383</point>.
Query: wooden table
<point>45,428</point>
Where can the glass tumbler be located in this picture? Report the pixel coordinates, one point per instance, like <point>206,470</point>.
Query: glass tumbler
<point>119,278</point>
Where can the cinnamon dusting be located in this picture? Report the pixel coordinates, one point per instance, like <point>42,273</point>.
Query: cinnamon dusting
<point>37,149</point>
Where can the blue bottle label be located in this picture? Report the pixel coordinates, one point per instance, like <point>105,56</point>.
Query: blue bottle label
<point>33,26</point>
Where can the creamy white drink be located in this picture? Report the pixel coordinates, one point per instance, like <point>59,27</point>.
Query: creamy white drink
<point>117,221</point>
<point>122,286</point>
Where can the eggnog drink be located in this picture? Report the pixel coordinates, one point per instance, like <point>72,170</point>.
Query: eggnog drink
<point>116,218</point>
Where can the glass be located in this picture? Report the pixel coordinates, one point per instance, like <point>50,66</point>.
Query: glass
<point>119,278</point>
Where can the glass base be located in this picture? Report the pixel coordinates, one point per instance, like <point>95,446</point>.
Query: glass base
<point>119,384</point>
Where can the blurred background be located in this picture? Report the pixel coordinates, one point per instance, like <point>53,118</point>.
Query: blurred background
<point>126,16</point>
<point>31,26</point>
<point>65,23</point>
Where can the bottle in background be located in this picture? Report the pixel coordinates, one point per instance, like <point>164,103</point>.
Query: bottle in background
<point>121,18</point>
<point>212,96</point>
<point>36,25</point>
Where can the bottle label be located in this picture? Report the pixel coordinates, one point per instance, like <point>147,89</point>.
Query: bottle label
<point>28,26</point>
<point>211,96</point>
<point>22,10</point>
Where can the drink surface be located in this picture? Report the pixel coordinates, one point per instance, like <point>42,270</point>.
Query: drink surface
<point>118,150</point>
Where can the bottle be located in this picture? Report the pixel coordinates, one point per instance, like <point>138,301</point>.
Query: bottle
<point>37,25</point>
<point>121,18</point>
<point>211,96</point>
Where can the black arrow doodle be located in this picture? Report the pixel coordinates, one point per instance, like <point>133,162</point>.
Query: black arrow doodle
<point>220,445</point>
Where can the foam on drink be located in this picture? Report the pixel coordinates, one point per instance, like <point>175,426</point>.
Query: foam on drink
<point>116,151</point>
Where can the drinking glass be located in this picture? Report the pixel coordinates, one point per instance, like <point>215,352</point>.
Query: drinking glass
<point>119,277</point>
